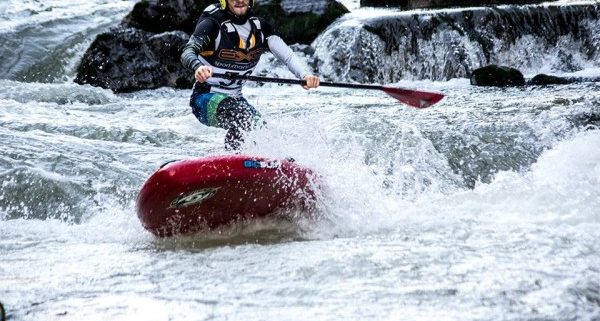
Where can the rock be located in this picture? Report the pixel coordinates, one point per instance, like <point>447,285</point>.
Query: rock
<point>589,120</point>
<point>498,76</point>
<point>300,21</point>
<point>128,59</point>
<point>542,80</point>
<point>415,4</point>
<point>144,52</point>
<point>159,16</point>
<point>592,121</point>
<point>384,3</point>
<point>297,22</point>
<point>444,44</point>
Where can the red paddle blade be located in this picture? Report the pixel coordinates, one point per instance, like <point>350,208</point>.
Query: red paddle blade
<point>414,98</point>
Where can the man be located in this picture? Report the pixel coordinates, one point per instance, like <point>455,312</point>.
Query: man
<point>229,38</point>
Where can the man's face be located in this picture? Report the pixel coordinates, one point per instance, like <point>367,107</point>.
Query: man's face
<point>238,7</point>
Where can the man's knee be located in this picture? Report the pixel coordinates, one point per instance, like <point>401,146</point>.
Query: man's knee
<point>234,113</point>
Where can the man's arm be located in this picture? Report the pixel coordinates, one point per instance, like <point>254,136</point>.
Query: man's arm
<point>189,56</point>
<point>202,39</point>
<point>285,54</point>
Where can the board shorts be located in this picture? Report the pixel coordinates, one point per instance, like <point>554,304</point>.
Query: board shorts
<point>234,114</point>
<point>224,111</point>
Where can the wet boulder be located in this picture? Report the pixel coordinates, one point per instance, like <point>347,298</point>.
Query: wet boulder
<point>543,80</point>
<point>296,21</point>
<point>144,51</point>
<point>498,76</point>
<point>128,59</point>
<point>159,16</point>
<point>444,44</point>
<point>384,3</point>
<point>300,21</point>
<point>415,4</point>
<point>592,121</point>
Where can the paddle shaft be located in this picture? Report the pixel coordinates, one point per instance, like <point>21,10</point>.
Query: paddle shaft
<point>413,98</point>
<point>295,81</point>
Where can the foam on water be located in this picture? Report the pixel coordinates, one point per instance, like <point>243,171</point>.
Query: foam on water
<point>60,94</point>
<point>399,230</point>
<point>364,194</point>
<point>24,13</point>
<point>43,41</point>
<point>563,186</point>
<point>391,209</point>
<point>367,180</point>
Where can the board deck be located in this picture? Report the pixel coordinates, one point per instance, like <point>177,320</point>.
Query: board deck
<point>187,196</point>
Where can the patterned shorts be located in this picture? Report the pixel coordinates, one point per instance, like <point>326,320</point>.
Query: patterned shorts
<point>224,111</point>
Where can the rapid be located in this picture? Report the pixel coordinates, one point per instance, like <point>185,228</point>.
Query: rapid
<point>483,207</point>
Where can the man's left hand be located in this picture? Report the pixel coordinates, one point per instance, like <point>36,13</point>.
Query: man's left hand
<point>312,81</point>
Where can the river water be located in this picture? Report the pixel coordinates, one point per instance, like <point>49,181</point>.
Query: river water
<point>483,207</point>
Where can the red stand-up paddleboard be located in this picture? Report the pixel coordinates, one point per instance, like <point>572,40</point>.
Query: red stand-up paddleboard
<point>186,196</point>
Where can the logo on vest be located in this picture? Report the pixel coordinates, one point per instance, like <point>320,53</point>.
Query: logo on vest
<point>239,56</point>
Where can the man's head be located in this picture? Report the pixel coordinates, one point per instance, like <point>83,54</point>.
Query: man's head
<point>238,7</point>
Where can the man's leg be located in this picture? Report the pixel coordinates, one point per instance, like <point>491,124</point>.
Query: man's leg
<point>205,106</point>
<point>236,115</point>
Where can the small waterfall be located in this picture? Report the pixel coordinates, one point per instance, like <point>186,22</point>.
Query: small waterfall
<point>43,41</point>
<point>385,46</point>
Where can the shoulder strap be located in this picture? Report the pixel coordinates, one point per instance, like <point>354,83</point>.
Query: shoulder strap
<point>256,22</point>
<point>211,9</point>
<point>258,27</point>
<point>213,12</point>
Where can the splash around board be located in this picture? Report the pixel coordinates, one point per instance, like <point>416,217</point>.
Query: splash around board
<point>187,196</point>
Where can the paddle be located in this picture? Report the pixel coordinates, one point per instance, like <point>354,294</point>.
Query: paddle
<point>414,98</point>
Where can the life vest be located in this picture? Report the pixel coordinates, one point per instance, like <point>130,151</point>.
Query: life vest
<point>232,54</point>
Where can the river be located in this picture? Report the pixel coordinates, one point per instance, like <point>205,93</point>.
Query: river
<point>483,207</point>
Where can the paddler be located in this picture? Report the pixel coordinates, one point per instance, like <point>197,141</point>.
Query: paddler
<point>230,38</point>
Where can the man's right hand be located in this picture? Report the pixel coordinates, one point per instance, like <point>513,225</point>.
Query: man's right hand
<point>203,73</point>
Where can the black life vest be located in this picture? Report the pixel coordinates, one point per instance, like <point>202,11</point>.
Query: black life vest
<point>231,53</point>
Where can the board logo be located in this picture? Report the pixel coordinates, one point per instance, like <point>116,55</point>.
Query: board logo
<point>264,164</point>
<point>195,197</point>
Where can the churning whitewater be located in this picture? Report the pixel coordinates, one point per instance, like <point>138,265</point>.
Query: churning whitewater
<point>483,207</point>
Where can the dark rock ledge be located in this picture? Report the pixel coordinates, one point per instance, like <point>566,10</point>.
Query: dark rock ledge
<point>418,4</point>
<point>503,76</point>
<point>143,52</point>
